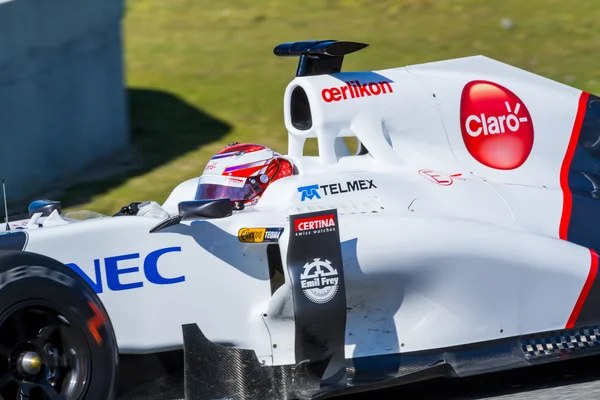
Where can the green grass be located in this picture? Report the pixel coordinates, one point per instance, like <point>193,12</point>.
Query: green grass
<point>202,73</point>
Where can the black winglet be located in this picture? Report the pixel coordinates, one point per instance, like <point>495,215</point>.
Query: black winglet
<point>316,271</point>
<point>318,57</point>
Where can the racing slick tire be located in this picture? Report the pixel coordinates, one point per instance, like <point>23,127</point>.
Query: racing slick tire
<point>56,340</point>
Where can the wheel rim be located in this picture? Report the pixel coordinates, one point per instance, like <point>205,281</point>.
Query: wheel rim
<point>43,355</point>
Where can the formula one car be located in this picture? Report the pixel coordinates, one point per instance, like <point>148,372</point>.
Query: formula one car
<point>457,240</point>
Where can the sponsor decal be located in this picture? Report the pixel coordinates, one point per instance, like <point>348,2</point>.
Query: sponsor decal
<point>355,90</point>
<point>235,182</point>
<point>319,281</point>
<point>309,192</point>
<point>496,125</point>
<point>129,271</point>
<point>19,225</point>
<point>314,225</point>
<point>437,177</point>
<point>314,191</point>
<point>259,235</point>
<point>210,166</point>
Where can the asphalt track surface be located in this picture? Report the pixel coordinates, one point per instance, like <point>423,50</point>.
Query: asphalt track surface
<point>565,380</point>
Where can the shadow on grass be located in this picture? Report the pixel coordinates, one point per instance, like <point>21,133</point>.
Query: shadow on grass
<point>163,127</point>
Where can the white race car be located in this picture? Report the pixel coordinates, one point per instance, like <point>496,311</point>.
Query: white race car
<point>459,239</point>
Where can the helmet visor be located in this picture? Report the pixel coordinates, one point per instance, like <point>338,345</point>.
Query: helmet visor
<point>222,187</point>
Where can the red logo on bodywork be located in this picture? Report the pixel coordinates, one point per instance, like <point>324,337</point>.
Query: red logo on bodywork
<point>436,177</point>
<point>496,125</point>
<point>355,89</point>
<point>320,222</point>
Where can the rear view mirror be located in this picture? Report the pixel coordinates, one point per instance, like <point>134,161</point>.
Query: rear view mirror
<point>219,208</point>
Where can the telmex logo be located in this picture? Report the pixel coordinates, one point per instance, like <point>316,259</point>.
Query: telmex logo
<point>312,191</point>
<point>309,192</point>
<point>354,90</point>
<point>496,125</point>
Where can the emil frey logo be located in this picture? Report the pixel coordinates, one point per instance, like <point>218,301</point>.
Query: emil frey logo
<point>319,281</point>
<point>312,191</point>
<point>496,125</point>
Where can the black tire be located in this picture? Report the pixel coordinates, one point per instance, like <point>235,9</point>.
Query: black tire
<point>46,310</point>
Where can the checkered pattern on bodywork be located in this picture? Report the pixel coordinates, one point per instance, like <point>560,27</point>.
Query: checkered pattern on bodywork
<point>565,342</point>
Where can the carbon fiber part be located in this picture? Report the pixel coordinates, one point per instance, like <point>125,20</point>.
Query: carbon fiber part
<point>494,357</point>
<point>438,370</point>
<point>213,371</point>
<point>220,372</point>
<point>464,360</point>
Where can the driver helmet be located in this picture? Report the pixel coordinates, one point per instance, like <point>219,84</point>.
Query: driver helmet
<point>241,172</point>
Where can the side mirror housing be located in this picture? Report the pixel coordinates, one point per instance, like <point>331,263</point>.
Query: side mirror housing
<point>219,208</point>
<point>46,207</point>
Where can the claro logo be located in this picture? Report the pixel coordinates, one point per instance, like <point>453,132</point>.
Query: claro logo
<point>496,125</point>
<point>355,89</point>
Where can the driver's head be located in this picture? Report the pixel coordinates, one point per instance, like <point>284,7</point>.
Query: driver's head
<point>241,172</point>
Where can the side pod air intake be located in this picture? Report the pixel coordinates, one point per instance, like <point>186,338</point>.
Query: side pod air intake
<point>318,57</point>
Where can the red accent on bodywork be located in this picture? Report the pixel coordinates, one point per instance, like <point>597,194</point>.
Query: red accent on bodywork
<point>586,289</point>
<point>566,165</point>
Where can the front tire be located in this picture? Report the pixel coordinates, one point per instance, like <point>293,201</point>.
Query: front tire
<point>56,340</point>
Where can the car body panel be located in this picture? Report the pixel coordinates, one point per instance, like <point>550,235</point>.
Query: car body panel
<point>440,246</point>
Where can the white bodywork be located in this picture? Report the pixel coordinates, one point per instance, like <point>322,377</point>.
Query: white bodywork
<point>427,265</point>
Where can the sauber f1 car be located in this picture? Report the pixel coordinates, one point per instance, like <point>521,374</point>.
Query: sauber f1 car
<point>457,240</point>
